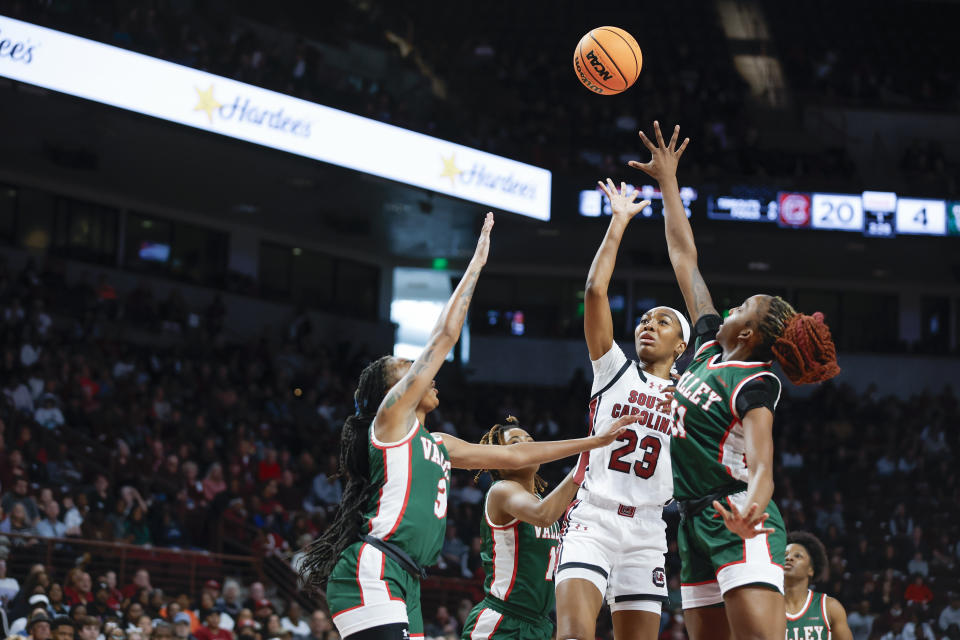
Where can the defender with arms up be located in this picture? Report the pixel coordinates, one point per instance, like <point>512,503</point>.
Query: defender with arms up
<point>723,444</point>
<point>392,517</point>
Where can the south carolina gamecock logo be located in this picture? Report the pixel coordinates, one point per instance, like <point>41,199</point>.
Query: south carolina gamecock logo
<point>659,577</point>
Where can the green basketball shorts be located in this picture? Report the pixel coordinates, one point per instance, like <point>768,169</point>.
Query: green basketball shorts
<point>368,589</point>
<point>715,560</point>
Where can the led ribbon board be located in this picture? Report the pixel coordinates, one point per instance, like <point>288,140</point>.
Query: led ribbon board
<point>134,82</point>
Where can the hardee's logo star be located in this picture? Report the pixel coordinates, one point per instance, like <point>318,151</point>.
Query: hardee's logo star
<point>206,102</point>
<point>450,169</point>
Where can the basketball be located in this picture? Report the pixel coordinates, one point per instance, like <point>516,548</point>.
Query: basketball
<point>607,60</point>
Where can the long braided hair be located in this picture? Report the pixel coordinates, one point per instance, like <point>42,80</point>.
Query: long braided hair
<point>496,435</point>
<point>802,344</point>
<point>321,555</point>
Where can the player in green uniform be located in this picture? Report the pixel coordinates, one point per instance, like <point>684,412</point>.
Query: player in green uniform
<point>810,615</point>
<point>520,537</point>
<point>392,517</point>
<point>732,556</point>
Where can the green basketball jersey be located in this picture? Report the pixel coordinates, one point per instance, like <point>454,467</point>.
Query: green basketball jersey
<point>519,560</point>
<point>810,623</point>
<point>410,509</point>
<point>708,445</point>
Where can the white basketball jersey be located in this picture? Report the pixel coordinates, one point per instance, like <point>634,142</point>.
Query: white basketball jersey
<point>635,469</point>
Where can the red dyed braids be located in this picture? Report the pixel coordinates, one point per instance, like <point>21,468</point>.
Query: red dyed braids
<point>800,343</point>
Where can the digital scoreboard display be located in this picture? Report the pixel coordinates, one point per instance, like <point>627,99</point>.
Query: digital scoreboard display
<point>594,203</point>
<point>922,217</point>
<point>743,203</point>
<point>879,208</point>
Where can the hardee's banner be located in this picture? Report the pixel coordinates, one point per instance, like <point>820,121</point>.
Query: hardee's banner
<point>131,81</point>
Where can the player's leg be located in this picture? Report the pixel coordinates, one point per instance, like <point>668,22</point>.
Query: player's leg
<point>749,573</point>
<point>635,625</point>
<point>578,605</point>
<point>582,571</point>
<point>756,612</point>
<point>638,581</point>
<point>414,611</point>
<point>703,611</point>
<point>366,593</point>
<point>707,623</point>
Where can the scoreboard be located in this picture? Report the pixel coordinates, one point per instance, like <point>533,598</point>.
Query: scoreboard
<point>875,214</point>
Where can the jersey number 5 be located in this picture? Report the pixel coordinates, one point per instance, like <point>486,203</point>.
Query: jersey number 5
<point>645,466</point>
<point>440,504</point>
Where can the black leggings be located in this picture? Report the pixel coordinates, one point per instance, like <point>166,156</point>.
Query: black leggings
<point>397,631</point>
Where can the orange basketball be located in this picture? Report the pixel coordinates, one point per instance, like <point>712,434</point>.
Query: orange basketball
<point>607,60</point>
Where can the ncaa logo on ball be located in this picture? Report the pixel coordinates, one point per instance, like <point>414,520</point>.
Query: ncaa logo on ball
<point>794,209</point>
<point>659,577</point>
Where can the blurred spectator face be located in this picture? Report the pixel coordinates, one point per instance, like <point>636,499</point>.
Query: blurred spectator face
<point>207,600</point>
<point>212,620</point>
<point>84,583</point>
<point>182,629</point>
<point>134,611</point>
<point>163,631</point>
<point>78,612</point>
<point>63,632</point>
<point>231,592</point>
<point>101,483</point>
<point>55,593</point>
<point>20,486</point>
<point>40,631</point>
<point>256,591</point>
<point>142,579</point>
<point>46,495</point>
<point>273,626</point>
<point>89,629</point>
<point>18,516</point>
<point>293,611</point>
<point>319,623</point>
<point>146,625</point>
<point>111,579</point>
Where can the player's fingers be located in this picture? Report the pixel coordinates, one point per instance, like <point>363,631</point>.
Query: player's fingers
<point>625,420</point>
<point>673,138</point>
<point>723,512</point>
<point>646,142</point>
<point>682,148</point>
<point>623,188</point>
<point>643,204</point>
<point>656,130</point>
<point>603,188</point>
<point>634,194</point>
<point>611,186</point>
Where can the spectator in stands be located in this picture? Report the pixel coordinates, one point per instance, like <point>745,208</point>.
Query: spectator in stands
<point>442,625</point>
<point>136,530</point>
<point>949,620</point>
<point>229,602</point>
<point>294,622</point>
<point>453,549</point>
<point>213,482</point>
<point>262,610</point>
<point>48,414</point>
<point>918,592</point>
<point>320,625</point>
<point>162,631</point>
<point>181,627</point>
<point>39,626</point>
<point>141,580</point>
<point>918,566</point>
<point>89,628</point>
<point>20,495</point>
<point>101,498</point>
<point>100,606</point>
<point>255,594</point>
<point>50,526</point>
<point>326,489</point>
<point>63,628</point>
<point>861,620</point>
<point>208,602</point>
<point>18,522</point>
<point>57,606</point>
<point>211,627</point>
<point>273,628</point>
<point>8,586</point>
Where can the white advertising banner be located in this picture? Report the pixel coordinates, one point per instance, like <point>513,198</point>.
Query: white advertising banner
<point>131,81</point>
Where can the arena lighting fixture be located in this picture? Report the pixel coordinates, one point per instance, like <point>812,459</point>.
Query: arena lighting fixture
<point>79,67</point>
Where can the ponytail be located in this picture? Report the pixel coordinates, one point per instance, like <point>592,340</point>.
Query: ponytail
<point>495,436</point>
<point>321,555</point>
<point>802,344</point>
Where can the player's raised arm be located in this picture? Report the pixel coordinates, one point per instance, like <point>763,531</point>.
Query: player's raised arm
<point>402,399</point>
<point>680,244</point>
<point>468,455</point>
<point>512,498</point>
<point>597,319</point>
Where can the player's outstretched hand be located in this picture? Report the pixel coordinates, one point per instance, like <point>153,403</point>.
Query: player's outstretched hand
<point>616,430</point>
<point>746,525</point>
<point>622,203</point>
<point>663,157</point>
<point>483,244</point>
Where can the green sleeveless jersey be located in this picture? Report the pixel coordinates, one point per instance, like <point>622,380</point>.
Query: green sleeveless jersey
<point>708,445</point>
<point>410,509</point>
<point>810,623</point>
<point>519,560</point>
